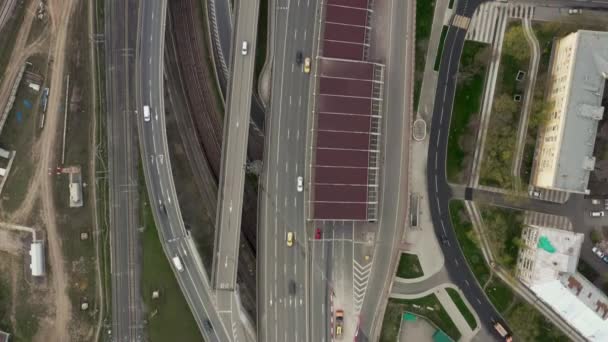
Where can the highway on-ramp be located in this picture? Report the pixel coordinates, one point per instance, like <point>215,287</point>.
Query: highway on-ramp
<point>234,149</point>
<point>174,238</point>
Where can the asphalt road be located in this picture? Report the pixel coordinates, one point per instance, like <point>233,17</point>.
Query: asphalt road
<point>234,149</point>
<point>395,167</point>
<point>159,180</point>
<point>221,25</point>
<point>120,34</point>
<point>283,316</point>
<point>438,189</point>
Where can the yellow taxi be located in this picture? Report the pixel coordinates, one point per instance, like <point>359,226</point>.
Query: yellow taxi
<point>307,65</point>
<point>290,239</point>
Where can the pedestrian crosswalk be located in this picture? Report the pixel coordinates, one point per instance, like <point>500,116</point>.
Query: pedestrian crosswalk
<point>556,196</point>
<point>534,218</point>
<point>461,21</point>
<point>492,16</point>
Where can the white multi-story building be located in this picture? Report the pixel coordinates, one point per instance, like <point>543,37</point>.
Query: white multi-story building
<point>579,68</point>
<point>547,265</point>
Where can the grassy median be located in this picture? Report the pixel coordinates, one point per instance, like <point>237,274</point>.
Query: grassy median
<point>462,307</point>
<point>409,266</point>
<point>169,316</point>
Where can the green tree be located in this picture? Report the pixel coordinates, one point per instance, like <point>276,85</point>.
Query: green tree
<point>516,45</point>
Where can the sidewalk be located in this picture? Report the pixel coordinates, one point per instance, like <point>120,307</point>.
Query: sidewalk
<point>448,305</point>
<point>429,80</point>
<point>528,97</point>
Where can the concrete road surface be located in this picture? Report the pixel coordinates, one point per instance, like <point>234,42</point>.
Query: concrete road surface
<point>234,149</point>
<point>120,34</point>
<point>174,238</point>
<point>282,312</point>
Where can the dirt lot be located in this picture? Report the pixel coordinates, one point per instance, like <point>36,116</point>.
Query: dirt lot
<point>40,198</point>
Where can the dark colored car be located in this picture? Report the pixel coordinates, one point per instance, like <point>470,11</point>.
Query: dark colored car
<point>299,57</point>
<point>208,325</point>
<point>292,287</point>
<point>318,234</point>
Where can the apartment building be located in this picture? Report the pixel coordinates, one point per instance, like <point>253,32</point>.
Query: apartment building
<point>564,156</point>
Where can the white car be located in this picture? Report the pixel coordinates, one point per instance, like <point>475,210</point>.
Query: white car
<point>575,11</point>
<point>244,48</point>
<point>300,184</point>
<point>598,252</point>
<point>597,214</point>
<point>534,193</point>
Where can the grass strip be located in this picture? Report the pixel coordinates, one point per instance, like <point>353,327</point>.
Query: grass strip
<point>444,32</point>
<point>462,307</point>
<point>467,103</point>
<point>427,307</point>
<point>409,266</point>
<point>169,315</point>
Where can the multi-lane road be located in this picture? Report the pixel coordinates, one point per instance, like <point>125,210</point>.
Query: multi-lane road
<point>282,314</point>
<point>234,149</point>
<point>157,171</point>
<point>121,33</point>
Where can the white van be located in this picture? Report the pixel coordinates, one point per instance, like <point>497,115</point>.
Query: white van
<point>177,262</point>
<point>244,48</point>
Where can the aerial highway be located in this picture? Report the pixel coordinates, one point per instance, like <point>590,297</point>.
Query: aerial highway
<point>282,312</point>
<point>438,189</point>
<point>234,149</point>
<point>174,238</point>
<point>127,306</point>
<point>232,173</point>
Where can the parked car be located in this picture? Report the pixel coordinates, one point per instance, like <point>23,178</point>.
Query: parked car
<point>605,259</point>
<point>575,11</point>
<point>244,48</point>
<point>597,213</point>
<point>534,193</point>
<point>596,201</point>
<point>300,184</point>
<point>318,234</point>
<point>598,252</point>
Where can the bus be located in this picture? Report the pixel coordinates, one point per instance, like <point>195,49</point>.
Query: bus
<point>146,113</point>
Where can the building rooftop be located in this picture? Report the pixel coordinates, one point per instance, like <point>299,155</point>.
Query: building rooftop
<point>578,302</point>
<point>583,110</point>
<point>551,252</point>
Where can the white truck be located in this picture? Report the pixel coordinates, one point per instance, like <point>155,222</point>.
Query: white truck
<point>146,113</point>
<point>177,262</point>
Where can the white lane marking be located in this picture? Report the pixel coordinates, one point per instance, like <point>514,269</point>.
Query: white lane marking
<point>296,168</point>
<point>304,34</point>
<point>295,34</point>
<point>290,100</point>
<point>286,163</point>
<point>438,207</point>
<point>292,67</point>
<point>298,135</point>
<point>443,227</point>
<point>150,60</point>
<point>288,134</point>
<point>300,101</point>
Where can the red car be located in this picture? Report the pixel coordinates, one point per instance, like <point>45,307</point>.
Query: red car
<point>317,234</point>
